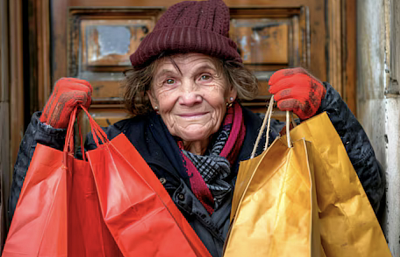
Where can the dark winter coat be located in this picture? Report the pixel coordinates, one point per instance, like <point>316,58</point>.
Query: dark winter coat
<point>151,138</point>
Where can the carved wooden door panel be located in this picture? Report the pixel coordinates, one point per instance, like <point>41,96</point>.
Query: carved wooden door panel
<point>93,39</point>
<point>100,43</point>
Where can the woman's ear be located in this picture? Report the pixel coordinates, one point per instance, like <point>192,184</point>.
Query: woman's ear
<point>232,93</point>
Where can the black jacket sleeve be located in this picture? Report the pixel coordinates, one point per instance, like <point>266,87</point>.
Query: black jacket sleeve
<point>357,144</point>
<point>36,132</point>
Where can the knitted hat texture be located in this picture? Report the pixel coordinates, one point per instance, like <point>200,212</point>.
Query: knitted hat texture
<point>190,26</point>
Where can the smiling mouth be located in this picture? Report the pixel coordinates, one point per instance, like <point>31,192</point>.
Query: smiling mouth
<point>192,115</point>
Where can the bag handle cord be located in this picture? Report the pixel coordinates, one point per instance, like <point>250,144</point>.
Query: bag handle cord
<point>267,119</point>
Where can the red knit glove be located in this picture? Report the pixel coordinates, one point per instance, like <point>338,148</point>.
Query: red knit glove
<point>67,94</point>
<point>298,91</point>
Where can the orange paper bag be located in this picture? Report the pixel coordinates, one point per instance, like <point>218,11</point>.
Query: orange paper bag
<point>137,209</point>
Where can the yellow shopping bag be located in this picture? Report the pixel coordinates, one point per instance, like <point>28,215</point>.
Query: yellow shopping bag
<point>270,206</point>
<point>349,227</point>
<point>273,209</point>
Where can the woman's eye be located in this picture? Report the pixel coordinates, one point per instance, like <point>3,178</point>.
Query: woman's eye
<point>205,77</point>
<point>170,81</point>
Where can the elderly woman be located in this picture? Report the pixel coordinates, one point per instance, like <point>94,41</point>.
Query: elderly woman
<point>184,91</point>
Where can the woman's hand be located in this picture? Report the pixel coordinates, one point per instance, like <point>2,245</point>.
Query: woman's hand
<point>67,94</point>
<point>298,91</point>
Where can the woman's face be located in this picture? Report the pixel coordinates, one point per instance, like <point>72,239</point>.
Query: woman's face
<point>192,101</point>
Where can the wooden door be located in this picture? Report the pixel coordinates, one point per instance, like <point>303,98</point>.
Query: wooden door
<point>92,40</point>
<point>44,40</point>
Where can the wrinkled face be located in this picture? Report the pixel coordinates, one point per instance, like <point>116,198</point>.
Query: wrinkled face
<point>192,101</point>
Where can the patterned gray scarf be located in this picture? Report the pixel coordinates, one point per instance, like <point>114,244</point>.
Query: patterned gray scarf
<point>214,168</point>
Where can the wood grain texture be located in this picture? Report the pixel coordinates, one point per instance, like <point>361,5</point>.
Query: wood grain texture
<point>5,166</point>
<point>4,52</point>
<point>37,33</point>
<point>43,52</point>
<point>349,44</point>
<point>16,78</point>
<point>342,69</point>
<point>334,22</point>
<point>106,90</point>
<point>30,34</point>
<point>3,42</point>
<point>59,17</point>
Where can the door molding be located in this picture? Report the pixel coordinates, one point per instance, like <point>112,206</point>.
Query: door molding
<point>341,48</point>
<point>5,167</point>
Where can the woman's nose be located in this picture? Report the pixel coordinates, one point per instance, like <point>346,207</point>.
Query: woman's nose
<point>190,94</point>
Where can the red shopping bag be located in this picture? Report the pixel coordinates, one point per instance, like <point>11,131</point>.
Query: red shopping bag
<point>88,234</point>
<point>58,212</point>
<point>137,209</point>
<point>39,225</point>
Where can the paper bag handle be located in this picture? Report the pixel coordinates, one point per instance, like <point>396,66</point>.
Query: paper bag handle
<point>69,138</point>
<point>267,118</point>
<point>98,134</point>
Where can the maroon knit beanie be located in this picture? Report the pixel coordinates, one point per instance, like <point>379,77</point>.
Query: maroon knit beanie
<point>190,26</point>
